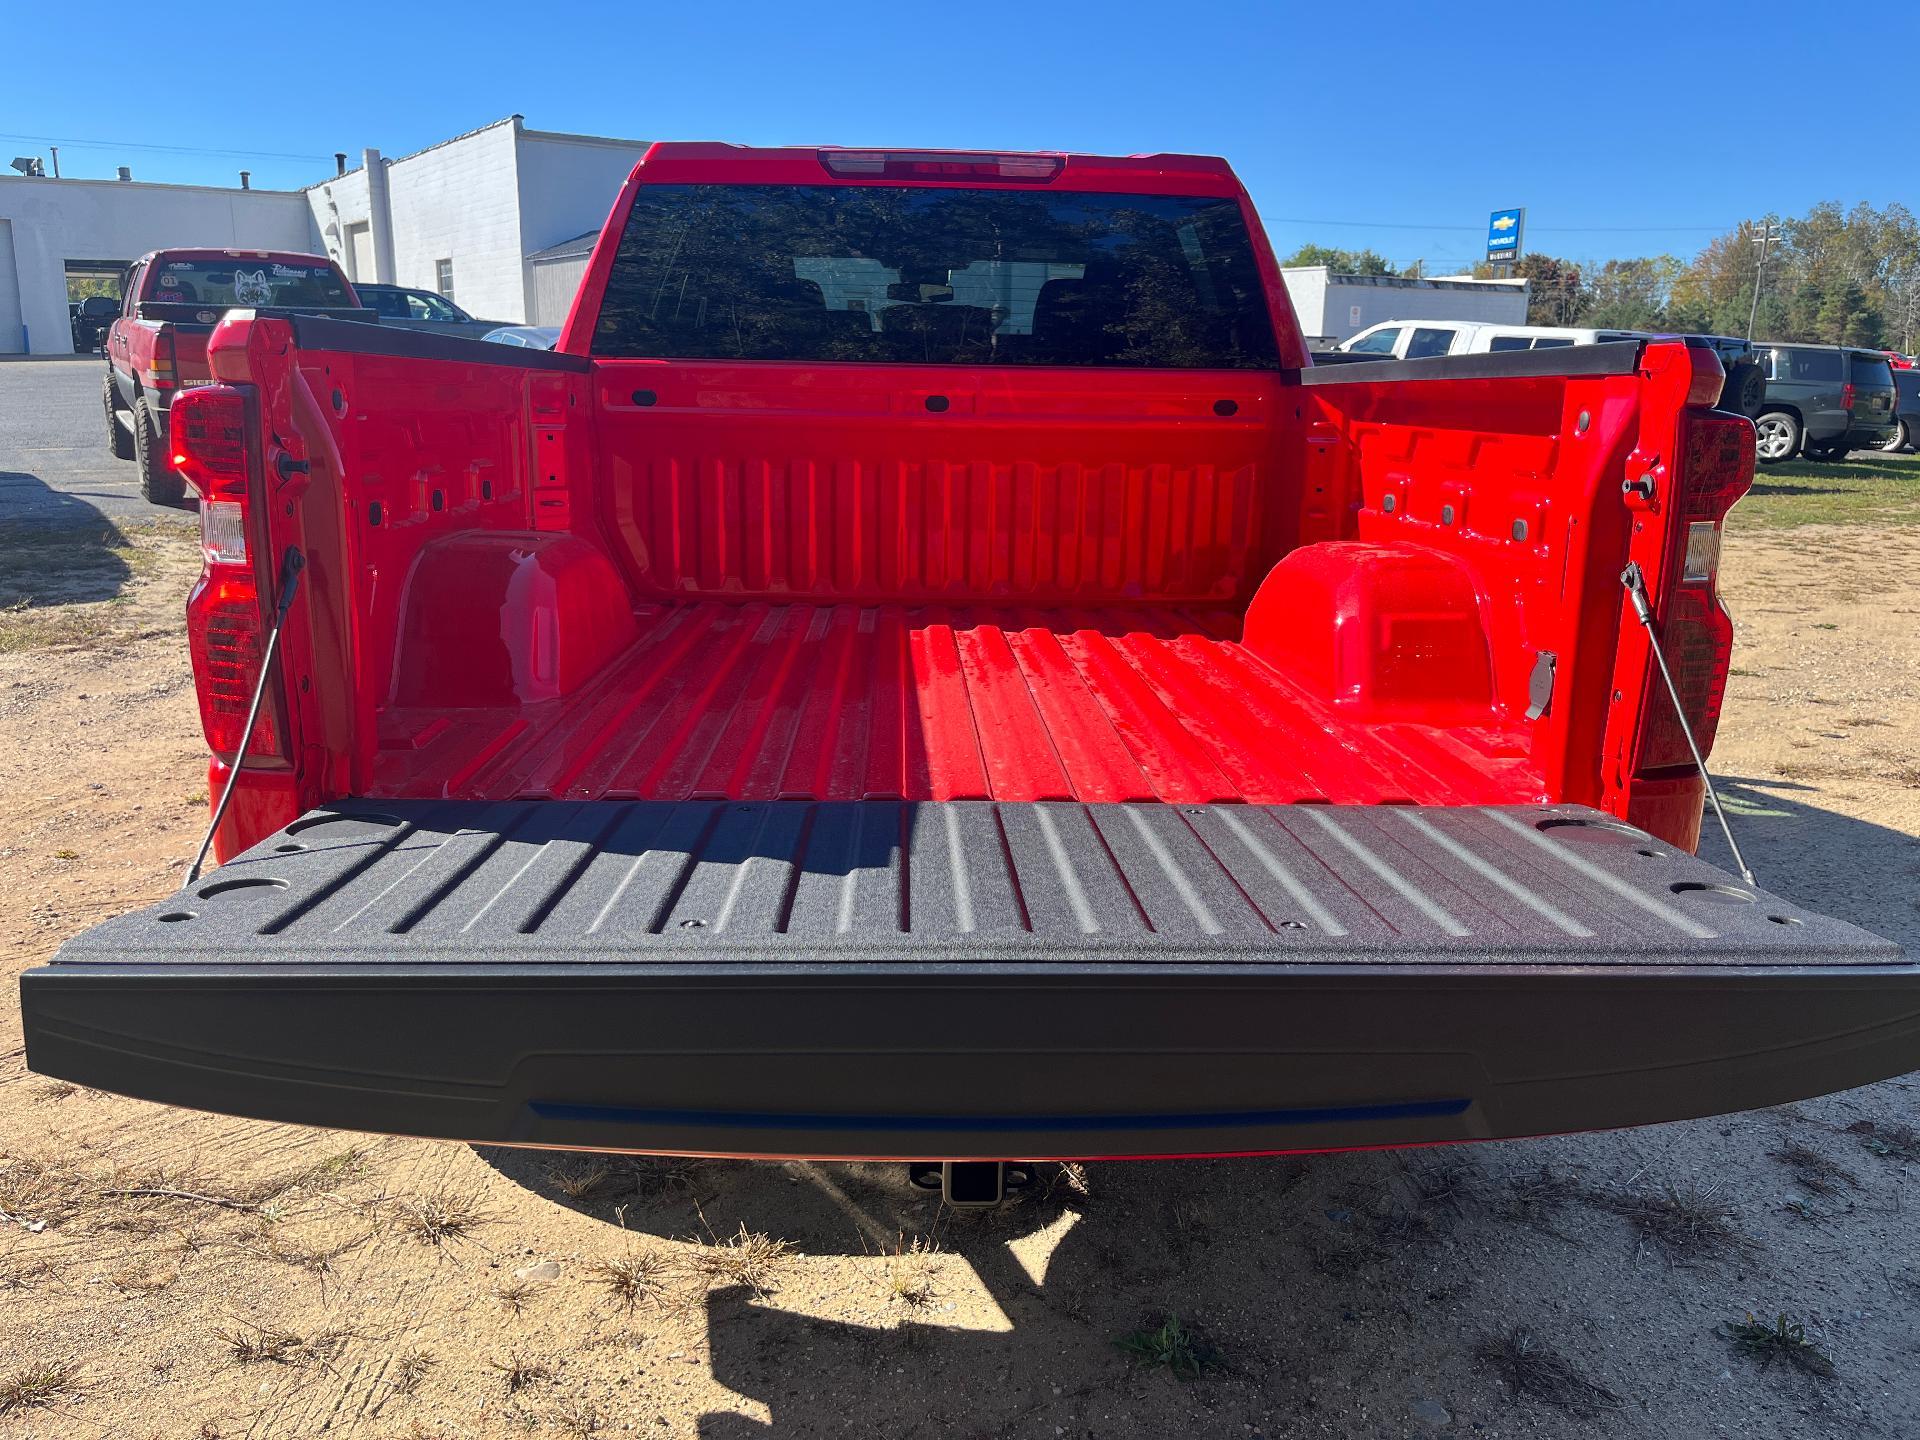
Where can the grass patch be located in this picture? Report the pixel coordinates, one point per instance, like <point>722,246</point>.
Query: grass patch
<point>748,1258</point>
<point>1815,1171</point>
<point>69,588</point>
<point>521,1371</point>
<point>1868,488</point>
<point>1168,1344</point>
<point>441,1218</point>
<point>1449,1185</point>
<point>580,1179</point>
<point>1785,1339</point>
<point>910,1271</point>
<point>34,1387</point>
<point>1889,1142</point>
<point>1534,1371</point>
<point>632,1279</point>
<point>1687,1224</point>
<point>1535,1198</point>
<point>251,1344</point>
<point>577,1417</point>
<point>410,1368</point>
<point>516,1295</point>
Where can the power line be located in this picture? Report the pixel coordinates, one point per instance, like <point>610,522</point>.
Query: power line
<point>1479,229</point>
<point>161,149</point>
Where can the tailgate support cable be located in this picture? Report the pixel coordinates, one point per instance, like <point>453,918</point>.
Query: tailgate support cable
<point>291,564</point>
<point>1636,582</point>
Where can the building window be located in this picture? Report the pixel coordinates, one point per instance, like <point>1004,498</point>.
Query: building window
<point>443,271</point>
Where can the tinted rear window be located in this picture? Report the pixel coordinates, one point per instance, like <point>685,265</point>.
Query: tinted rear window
<point>245,284</point>
<point>1871,370</point>
<point>1808,365</point>
<point>936,276</point>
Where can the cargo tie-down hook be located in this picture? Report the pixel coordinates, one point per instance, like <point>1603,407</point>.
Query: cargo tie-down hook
<point>1636,583</point>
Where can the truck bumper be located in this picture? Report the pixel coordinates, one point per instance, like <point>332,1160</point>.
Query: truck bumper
<point>970,980</point>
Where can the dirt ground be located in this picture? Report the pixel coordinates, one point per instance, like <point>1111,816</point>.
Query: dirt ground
<point>166,1273</point>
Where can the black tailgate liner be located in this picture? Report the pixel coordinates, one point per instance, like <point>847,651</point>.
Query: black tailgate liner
<point>963,979</point>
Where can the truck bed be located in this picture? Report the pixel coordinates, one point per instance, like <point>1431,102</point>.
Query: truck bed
<point>972,979</point>
<point>717,700</point>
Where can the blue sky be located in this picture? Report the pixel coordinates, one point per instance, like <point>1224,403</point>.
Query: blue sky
<point>1391,124</point>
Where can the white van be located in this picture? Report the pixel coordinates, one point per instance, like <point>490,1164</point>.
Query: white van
<point>1419,339</point>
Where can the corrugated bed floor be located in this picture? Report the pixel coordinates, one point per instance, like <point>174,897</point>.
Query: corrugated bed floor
<point>766,702</point>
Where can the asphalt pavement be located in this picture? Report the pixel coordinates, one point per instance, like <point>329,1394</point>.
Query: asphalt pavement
<point>55,468</point>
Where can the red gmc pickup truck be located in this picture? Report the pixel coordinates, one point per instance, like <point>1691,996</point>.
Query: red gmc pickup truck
<point>157,346</point>
<point>928,670</point>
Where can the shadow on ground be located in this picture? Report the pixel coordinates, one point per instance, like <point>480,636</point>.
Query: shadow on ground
<point>1350,1265</point>
<point>55,548</point>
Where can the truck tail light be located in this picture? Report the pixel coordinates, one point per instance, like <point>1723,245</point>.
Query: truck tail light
<point>161,372</point>
<point>939,165</point>
<point>1846,397</point>
<point>209,432</point>
<point>1695,627</point>
<point>225,632</point>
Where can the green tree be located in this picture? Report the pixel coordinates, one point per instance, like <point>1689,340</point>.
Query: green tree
<point>1557,291</point>
<point>1632,294</point>
<point>1341,262</point>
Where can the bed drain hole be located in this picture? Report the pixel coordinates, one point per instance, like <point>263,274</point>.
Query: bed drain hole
<point>250,882</point>
<point>292,845</point>
<point>1707,890</point>
<point>693,924</point>
<point>173,915</point>
<point>1783,919</point>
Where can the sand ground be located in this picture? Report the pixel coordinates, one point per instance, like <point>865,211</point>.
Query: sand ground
<point>164,1273</point>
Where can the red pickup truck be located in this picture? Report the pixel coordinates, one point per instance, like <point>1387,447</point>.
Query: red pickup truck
<point>157,346</point>
<point>928,670</point>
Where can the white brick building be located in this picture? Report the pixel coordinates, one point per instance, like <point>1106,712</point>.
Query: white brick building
<point>461,217</point>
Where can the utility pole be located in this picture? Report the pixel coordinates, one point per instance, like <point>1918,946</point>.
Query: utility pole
<point>1767,234</point>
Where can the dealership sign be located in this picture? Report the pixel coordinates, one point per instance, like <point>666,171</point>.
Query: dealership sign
<point>1504,230</point>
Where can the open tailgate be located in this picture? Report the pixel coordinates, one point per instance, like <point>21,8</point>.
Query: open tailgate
<point>969,979</point>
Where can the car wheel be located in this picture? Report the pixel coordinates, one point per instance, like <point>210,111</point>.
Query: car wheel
<point>160,483</point>
<point>119,438</point>
<point>1746,389</point>
<point>1902,438</point>
<point>1777,437</point>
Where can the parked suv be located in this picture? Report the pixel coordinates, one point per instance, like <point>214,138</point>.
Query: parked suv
<point>1823,400</point>
<point>92,317</point>
<point>423,310</point>
<point>1906,380</point>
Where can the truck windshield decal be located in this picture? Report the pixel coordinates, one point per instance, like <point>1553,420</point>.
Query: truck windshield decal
<point>221,284</point>
<point>936,276</point>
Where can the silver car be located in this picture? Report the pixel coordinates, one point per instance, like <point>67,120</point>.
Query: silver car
<point>412,309</point>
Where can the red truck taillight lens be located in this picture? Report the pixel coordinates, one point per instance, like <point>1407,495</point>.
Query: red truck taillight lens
<point>208,427</point>
<point>161,372</point>
<point>1846,397</point>
<point>225,634</point>
<point>1695,628</point>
